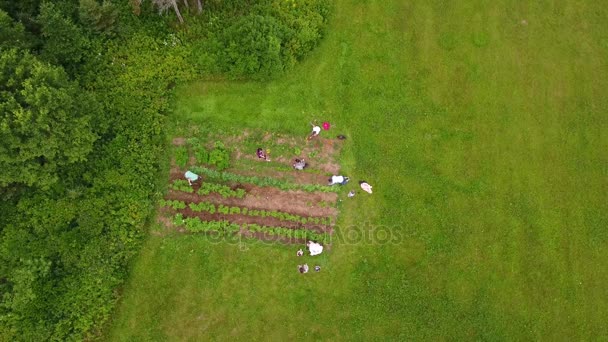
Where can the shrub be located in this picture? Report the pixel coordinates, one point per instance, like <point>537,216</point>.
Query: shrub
<point>252,46</point>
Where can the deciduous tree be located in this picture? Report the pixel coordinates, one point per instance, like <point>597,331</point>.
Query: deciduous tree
<point>44,120</point>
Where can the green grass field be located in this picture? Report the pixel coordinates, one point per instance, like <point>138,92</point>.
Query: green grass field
<point>482,127</point>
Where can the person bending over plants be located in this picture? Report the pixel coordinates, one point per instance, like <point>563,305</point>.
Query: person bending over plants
<point>315,131</point>
<point>338,180</point>
<point>191,177</point>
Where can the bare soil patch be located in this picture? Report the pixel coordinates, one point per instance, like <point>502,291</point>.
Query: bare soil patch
<point>318,204</point>
<point>179,141</point>
<point>320,153</point>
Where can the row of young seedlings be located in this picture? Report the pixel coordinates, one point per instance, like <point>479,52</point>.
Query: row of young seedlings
<point>262,181</point>
<point>228,210</point>
<point>196,225</point>
<point>207,188</point>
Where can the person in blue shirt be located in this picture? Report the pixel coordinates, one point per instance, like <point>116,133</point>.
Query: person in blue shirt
<point>191,177</point>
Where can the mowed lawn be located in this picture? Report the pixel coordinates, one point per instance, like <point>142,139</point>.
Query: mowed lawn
<point>482,127</point>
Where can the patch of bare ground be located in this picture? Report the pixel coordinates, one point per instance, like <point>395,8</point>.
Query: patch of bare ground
<point>324,151</point>
<point>165,220</point>
<point>295,202</point>
<point>179,141</point>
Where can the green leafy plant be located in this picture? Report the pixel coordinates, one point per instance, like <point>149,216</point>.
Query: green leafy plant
<point>181,185</point>
<point>201,154</point>
<point>262,181</point>
<point>219,156</point>
<point>180,154</point>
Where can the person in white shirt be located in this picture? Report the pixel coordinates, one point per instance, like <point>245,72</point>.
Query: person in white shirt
<point>338,180</point>
<point>315,131</point>
<point>314,248</point>
<point>299,164</point>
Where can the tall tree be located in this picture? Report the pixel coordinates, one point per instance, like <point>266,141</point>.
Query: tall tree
<point>98,17</point>
<point>12,34</point>
<point>64,41</point>
<point>44,120</point>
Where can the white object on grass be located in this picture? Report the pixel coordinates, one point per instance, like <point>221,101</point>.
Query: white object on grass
<point>366,187</point>
<point>314,248</point>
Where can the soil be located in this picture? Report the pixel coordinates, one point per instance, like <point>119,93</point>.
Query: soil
<point>325,150</point>
<point>179,141</point>
<point>294,202</point>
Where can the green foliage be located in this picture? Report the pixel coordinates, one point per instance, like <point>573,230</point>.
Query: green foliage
<point>45,122</point>
<point>219,156</point>
<point>225,191</point>
<point>178,219</point>
<point>80,153</point>
<point>202,155</point>
<point>24,11</point>
<point>99,17</point>
<point>252,46</point>
<point>235,210</point>
<point>12,34</point>
<point>182,185</point>
<point>174,204</point>
<point>196,225</point>
<point>202,206</point>
<point>257,40</point>
<point>262,181</point>
<point>181,156</point>
<point>64,42</point>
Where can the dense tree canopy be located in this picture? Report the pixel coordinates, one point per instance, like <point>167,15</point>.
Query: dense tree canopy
<point>44,122</point>
<point>85,87</point>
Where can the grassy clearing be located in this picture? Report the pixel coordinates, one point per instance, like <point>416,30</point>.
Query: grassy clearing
<point>481,126</point>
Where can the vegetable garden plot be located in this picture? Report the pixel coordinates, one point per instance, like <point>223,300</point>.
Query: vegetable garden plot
<point>252,199</point>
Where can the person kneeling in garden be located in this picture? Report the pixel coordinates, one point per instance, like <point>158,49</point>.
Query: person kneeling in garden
<point>261,154</point>
<point>299,164</point>
<point>191,177</point>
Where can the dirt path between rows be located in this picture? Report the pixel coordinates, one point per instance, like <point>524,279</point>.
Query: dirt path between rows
<point>294,202</point>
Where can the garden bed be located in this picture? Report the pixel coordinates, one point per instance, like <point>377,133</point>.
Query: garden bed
<point>237,193</point>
